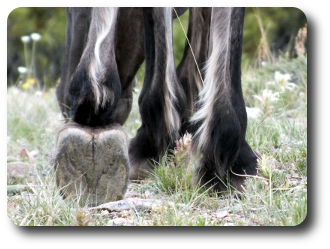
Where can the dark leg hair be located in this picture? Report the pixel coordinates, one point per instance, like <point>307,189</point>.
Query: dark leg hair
<point>92,87</point>
<point>129,56</point>
<point>92,153</point>
<point>187,71</point>
<point>246,162</point>
<point>162,100</point>
<point>124,105</point>
<point>221,116</point>
<point>78,22</point>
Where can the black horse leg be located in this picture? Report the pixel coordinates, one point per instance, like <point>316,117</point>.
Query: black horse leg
<point>162,100</point>
<point>189,74</point>
<point>92,163</point>
<point>221,120</point>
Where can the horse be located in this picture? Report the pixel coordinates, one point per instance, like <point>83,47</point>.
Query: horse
<point>105,47</point>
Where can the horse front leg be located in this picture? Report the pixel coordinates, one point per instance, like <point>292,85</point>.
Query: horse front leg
<point>92,163</point>
<point>78,23</point>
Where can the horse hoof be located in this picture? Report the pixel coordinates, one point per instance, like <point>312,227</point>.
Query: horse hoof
<point>92,165</point>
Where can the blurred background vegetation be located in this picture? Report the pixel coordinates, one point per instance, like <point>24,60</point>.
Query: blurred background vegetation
<point>268,32</point>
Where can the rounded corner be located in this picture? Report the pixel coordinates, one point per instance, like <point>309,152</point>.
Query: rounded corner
<point>12,222</point>
<point>304,222</point>
<point>12,12</point>
<point>297,8</point>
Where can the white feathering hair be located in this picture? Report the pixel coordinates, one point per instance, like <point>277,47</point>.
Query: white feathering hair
<point>172,118</point>
<point>217,77</point>
<point>103,20</point>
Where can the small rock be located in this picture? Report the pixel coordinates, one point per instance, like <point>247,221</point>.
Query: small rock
<point>12,208</point>
<point>221,214</point>
<point>295,175</point>
<point>105,212</point>
<point>129,203</point>
<point>228,224</point>
<point>147,194</point>
<point>25,154</point>
<point>18,169</point>
<point>125,213</point>
<point>35,153</point>
<point>118,222</point>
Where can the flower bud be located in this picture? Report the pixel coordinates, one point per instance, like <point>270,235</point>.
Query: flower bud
<point>35,36</point>
<point>22,70</point>
<point>25,39</point>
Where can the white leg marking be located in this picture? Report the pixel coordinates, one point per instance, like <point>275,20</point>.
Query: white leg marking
<point>217,78</point>
<point>102,24</point>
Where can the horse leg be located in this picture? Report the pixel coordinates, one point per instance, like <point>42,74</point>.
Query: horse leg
<point>92,161</point>
<point>162,101</point>
<point>189,74</point>
<point>78,22</point>
<point>130,55</point>
<point>220,121</point>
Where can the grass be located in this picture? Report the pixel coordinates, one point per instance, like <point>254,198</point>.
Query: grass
<point>277,196</point>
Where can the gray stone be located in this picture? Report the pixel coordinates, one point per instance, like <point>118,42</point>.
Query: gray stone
<point>18,169</point>
<point>130,203</point>
<point>221,214</point>
<point>118,222</point>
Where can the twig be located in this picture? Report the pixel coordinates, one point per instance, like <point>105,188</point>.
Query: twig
<point>200,75</point>
<point>258,177</point>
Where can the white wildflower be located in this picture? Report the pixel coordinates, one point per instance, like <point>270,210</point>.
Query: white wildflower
<point>35,36</point>
<point>186,139</point>
<point>25,39</point>
<point>22,70</point>
<point>183,144</point>
<point>15,91</point>
<point>267,96</point>
<point>282,80</point>
<point>38,93</point>
<point>253,112</point>
<point>281,77</point>
<point>290,86</point>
